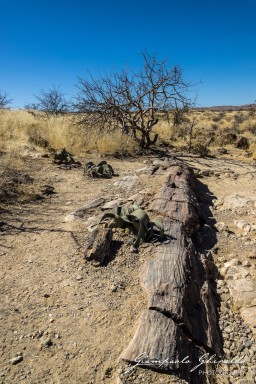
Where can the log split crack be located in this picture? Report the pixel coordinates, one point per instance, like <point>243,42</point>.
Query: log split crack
<point>187,326</point>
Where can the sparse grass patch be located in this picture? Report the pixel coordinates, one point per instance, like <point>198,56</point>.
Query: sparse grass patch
<point>21,133</point>
<point>251,127</point>
<point>116,142</point>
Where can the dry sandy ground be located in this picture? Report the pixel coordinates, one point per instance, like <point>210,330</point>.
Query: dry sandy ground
<point>66,320</point>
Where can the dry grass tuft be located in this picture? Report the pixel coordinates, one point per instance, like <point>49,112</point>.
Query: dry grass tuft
<point>116,143</point>
<point>21,133</point>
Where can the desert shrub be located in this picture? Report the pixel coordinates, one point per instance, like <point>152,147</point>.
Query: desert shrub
<point>252,110</point>
<point>37,136</point>
<point>239,118</point>
<point>243,143</point>
<point>219,117</point>
<point>236,128</point>
<point>215,127</point>
<point>204,135</point>
<point>200,149</point>
<point>181,131</point>
<point>251,127</point>
<point>227,138</point>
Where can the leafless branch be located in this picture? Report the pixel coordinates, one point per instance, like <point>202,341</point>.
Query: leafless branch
<point>4,100</point>
<point>131,101</point>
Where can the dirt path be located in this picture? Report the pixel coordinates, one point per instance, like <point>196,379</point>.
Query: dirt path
<point>68,320</point>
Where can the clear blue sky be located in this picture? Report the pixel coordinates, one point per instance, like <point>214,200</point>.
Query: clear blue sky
<point>45,43</point>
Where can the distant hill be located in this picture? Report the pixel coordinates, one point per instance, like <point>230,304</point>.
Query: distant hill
<point>222,108</point>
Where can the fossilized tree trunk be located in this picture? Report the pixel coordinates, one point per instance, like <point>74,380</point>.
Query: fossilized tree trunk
<point>181,319</point>
<point>98,246</point>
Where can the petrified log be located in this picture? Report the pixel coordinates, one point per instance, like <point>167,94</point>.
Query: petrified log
<point>98,246</point>
<point>176,199</point>
<point>163,346</point>
<point>177,285</point>
<point>181,318</point>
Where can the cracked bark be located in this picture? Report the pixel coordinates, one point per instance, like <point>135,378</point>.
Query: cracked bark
<point>181,319</point>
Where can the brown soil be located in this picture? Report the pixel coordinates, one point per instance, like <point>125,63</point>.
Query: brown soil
<point>69,320</point>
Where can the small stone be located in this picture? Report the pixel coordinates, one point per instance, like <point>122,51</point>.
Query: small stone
<point>240,347</point>
<point>247,359</point>
<point>233,262</point>
<point>228,344</point>
<point>134,249</point>
<point>16,360</point>
<point>221,226</point>
<point>47,342</point>
<point>114,288</point>
<point>79,277</point>
<point>246,263</point>
<point>226,351</point>
<point>223,271</point>
<point>205,172</point>
<point>247,343</point>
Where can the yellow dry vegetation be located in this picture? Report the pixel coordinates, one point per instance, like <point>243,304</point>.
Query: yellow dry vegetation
<point>20,132</point>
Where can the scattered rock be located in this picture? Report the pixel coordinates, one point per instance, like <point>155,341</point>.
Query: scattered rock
<point>16,360</point>
<point>217,203</point>
<point>147,170</point>
<point>221,226</point>
<point>205,172</point>
<point>111,204</point>
<point>70,218</point>
<point>127,183</point>
<point>222,151</point>
<point>92,220</point>
<point>242,224</point>
<point>231,263</point>
<point>47,190</point>
<point>237,272</point>
<point>80,212</point>
<point>234,202</point>
<point>246,263</point>
<point>47,342</point>
<point>243,291</point>
<point>249,316</point>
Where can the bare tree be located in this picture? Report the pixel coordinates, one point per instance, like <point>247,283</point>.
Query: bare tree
<point>49,103</point>
<point>180,115</point>
<point>4,100</point>
<point>133,102</point>
<point>191,125</point>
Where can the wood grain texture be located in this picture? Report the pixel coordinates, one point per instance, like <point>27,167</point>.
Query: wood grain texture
<point>162,345</point>
<point>98,246</point>
<point>176,199</point>
<point>182,313</point>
